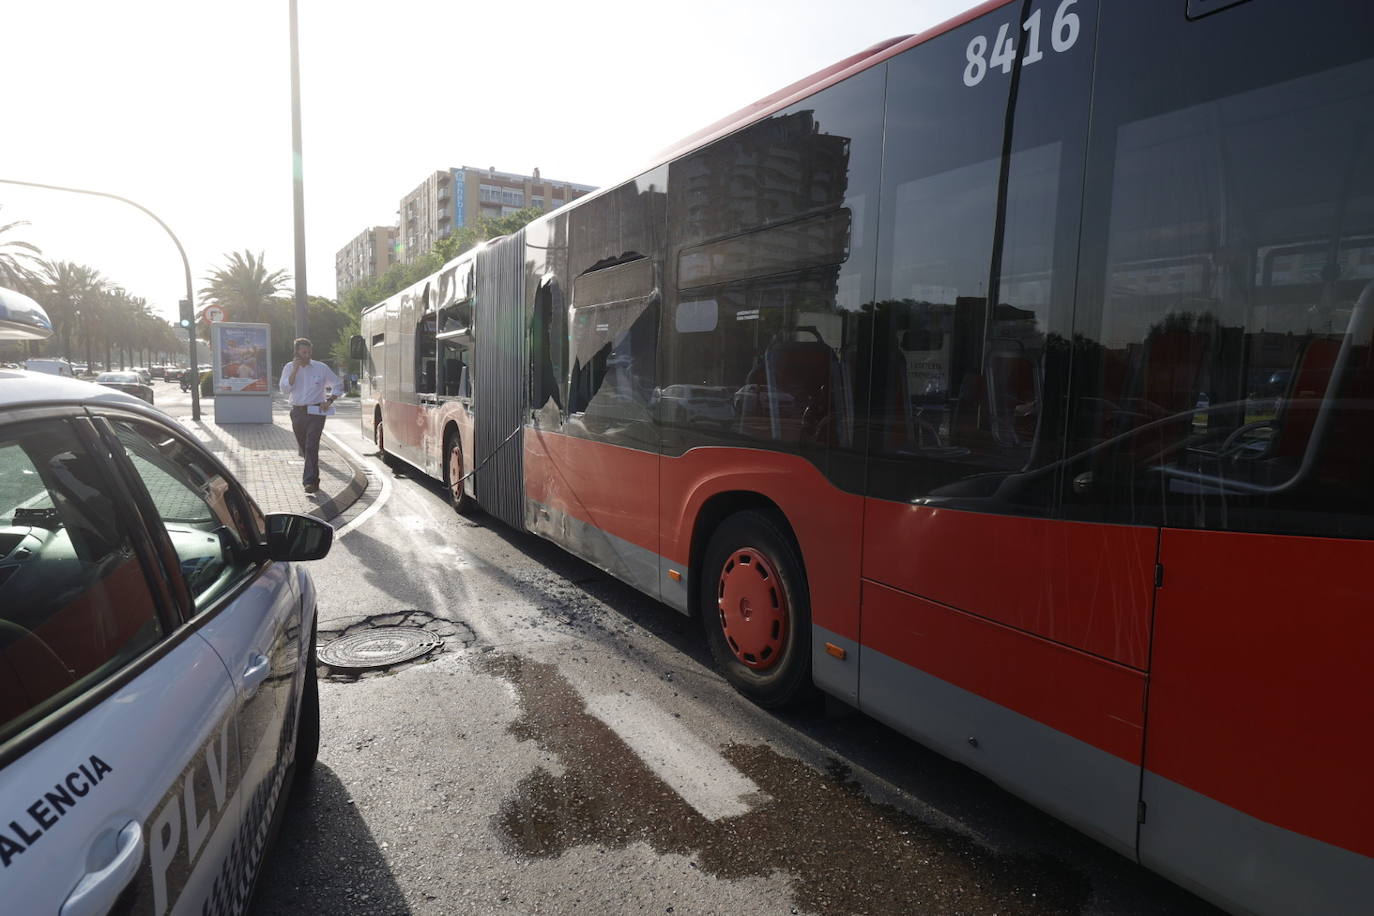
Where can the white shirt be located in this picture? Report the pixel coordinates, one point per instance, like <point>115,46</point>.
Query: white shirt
<point>312,383</point>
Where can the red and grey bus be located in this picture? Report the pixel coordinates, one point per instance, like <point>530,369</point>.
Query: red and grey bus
<point>1012,382</point>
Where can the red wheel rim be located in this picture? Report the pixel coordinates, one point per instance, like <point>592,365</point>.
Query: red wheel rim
<point>455,472</point>
<point>753,609</point>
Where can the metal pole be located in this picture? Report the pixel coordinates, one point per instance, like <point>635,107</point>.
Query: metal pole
<point>298,181</point>
<point>185,263</point>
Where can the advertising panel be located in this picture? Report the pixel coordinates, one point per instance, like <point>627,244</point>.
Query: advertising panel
<point>242,352</point>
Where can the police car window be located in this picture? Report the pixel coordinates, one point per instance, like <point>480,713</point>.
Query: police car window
<point>74,604</point>
<point>207,520</point>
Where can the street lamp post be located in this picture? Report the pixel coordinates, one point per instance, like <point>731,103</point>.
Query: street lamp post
<point>185,263</point>
<point>298,181</point>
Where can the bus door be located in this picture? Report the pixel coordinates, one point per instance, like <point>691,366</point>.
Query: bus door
<point>1232,204</point>
<point>411,396</point>
<point>427,393</point>
<point>454,415</point>
<point>994,629</point>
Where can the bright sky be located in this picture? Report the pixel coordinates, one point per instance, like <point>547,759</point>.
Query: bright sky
<point>185,107</point>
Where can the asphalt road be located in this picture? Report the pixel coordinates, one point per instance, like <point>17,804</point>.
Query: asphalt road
<point>571,750</point>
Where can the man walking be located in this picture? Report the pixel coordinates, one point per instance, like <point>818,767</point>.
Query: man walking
<point>306,381</point>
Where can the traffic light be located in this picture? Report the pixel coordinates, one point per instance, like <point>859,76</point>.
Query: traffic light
<point>188,317</point>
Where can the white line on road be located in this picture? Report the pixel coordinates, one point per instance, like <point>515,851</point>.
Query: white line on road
<point>379,475</point>
<point>690,767</point>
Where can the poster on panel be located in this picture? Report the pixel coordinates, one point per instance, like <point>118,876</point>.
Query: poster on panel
<point>242,353</point>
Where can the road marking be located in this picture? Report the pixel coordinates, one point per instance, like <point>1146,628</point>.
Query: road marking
<point>689,766</point>
<point>378,475</point>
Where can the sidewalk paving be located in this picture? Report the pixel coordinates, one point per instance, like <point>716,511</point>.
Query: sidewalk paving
<point>263,457</point>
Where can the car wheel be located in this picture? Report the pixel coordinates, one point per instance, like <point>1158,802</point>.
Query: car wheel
<point>453,474</point>
<point>308,721</point>
<point>756,610</point>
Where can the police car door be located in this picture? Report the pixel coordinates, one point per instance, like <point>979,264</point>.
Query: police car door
<point>248,609</point>
<point>111,711</point>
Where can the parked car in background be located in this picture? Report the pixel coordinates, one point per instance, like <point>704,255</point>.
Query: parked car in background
<point>127,382</point>
<point>50,366</point>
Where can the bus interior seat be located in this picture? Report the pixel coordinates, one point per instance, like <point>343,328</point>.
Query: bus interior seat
<point>424,382</point>
<point>1170,377</point>
<point>907,432</point>
<point>794,399</point>
<point>1013,388</point>
<point>1297,414</point>
<point>453,378</point>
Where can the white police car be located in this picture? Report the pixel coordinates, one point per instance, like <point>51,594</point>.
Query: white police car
<point>157,683</point>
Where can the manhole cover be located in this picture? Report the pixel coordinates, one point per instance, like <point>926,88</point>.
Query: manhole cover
<point>379,648</point>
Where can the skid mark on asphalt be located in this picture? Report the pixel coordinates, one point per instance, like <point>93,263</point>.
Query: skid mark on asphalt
<point>845,853</point>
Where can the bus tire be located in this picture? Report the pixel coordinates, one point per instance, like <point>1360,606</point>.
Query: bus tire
<point>454,471</point>
<point>756,609</point>
<point>379,436</point>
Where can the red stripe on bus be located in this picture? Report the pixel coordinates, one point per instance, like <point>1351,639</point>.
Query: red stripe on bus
<point>1096,701</point>
<point>1261,644</point>
<point>1087,586</point>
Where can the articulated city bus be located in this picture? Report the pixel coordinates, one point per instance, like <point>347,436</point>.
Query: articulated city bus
<point>1011,382</point>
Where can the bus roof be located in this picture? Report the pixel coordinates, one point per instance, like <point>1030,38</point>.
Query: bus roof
<point>821,79</point>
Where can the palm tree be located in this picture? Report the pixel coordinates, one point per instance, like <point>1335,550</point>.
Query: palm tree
<point>243,286</point>
<point>67,291</point>
<point>20,268</point>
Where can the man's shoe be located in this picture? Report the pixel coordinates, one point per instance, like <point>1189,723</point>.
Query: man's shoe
<point>311,488</point>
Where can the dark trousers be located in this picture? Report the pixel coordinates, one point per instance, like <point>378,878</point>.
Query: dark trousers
<point>308,428</point>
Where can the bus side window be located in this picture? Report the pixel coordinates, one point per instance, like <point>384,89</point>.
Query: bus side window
<point>975,290</point>
<point>614,337</point>
<point>546,356</point>
<point>455,381</point>
<point>1224,379</point>
<point>425,356</point>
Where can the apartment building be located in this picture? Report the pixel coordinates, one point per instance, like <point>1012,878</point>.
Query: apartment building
<point>366,257</point>
<point>446,200</point>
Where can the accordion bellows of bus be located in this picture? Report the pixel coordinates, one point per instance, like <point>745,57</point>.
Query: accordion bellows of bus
<point>1011,382</point>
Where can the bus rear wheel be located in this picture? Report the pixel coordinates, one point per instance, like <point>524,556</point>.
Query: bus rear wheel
<point>379,436</point>
<point>756,610</point>
<point>453,474</point>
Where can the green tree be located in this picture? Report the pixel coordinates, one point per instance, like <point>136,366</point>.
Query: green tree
<point>338,351</point>
<point>325,319</point>
<point>390,283</point>
<point>243,287</point>
<point>20,267</point>
<point>486,227</point>
<point>65,285</point>
<point>446,249</point>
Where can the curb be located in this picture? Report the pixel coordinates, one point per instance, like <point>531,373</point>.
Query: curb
<point>333,507</point>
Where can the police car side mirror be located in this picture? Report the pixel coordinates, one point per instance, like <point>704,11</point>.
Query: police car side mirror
<point>297,537</point>
<point>357,347</point>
